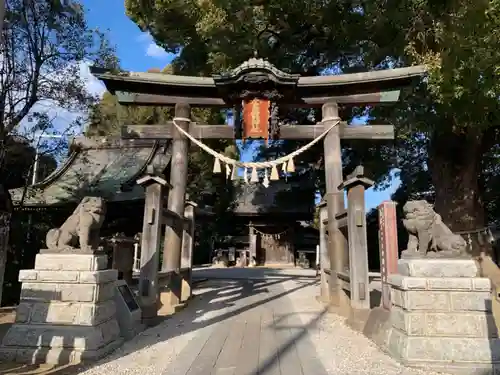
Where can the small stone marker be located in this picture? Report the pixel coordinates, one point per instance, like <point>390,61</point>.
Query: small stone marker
<point>128,312</point>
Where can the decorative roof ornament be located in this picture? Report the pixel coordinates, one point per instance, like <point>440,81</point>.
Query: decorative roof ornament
<point>256,71</point>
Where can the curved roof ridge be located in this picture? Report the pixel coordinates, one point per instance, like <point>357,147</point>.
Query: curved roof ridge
<point>59,171</point>
<point>97,165</point>
<point>132,180</point>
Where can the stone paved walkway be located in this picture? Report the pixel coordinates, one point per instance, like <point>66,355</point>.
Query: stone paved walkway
<point>259,322</point>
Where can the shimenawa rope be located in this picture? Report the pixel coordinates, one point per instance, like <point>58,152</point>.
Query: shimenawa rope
<point>286,161</point>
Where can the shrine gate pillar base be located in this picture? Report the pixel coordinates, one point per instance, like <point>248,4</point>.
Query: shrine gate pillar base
<point>324,261</point>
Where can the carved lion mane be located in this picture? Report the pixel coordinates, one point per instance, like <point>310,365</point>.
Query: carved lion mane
<point>81,228</point>
<point>427,231</point>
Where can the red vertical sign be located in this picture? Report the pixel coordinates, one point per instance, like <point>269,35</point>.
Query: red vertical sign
<point>256,118</point>
<point>388,245</point>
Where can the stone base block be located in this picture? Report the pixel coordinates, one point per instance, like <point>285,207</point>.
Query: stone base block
<point>357,319</point>
<point>186,292</point>
<point>71,262</point>
<point>186,289</point>
<point>67,311</point>
<point>441,317</point>
<point>438,268</point>
<point>59,344</point>
<point>55,356</point>
<point>470,324</point>
<point>169,304</point>
<point>457,355</point>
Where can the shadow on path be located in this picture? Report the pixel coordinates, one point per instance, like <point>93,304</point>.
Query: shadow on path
<point>211,304</point>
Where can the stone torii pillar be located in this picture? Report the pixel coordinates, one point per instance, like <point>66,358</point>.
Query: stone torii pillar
<point>356,184</point>
<point>156,188</point>
<point>176,202</point>
<point>335,202</point>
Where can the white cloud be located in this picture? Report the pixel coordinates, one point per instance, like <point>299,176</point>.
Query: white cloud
<point>157,52</point>
<point>64,120</point>
<point>94,86</point>
<point>152,49</point>
<point>144,37</point>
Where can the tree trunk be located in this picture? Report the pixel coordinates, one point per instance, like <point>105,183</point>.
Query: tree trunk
<point>5,215</point>
<point>455,166</point>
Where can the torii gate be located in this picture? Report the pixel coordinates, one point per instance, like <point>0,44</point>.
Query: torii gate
<point>253,90</point>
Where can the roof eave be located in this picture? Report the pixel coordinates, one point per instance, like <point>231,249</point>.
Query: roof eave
<point>398,74</point>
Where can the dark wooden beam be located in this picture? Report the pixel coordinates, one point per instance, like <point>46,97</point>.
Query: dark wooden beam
<point>130,98</point>
<point>286,132</point>
<point>355,99</point>
<point>367,132</point>
<point>166,131</point>
<point>301,131</point>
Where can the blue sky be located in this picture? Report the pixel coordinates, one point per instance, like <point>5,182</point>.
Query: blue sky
<point>137,52</point>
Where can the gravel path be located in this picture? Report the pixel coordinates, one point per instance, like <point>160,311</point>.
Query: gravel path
<point>342,350</point>
<point>249,326</point>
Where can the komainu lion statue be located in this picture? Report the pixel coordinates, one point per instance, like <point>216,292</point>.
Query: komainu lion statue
<point>428,235</point>
<point>81,229</point>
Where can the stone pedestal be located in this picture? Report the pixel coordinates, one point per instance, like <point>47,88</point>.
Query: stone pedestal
<point>67,311</point>
<point>441,317</point>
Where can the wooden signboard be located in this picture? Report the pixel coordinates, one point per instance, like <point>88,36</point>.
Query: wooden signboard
<point>256,118</point>
<point>128,297</point>
<point>128,311</point>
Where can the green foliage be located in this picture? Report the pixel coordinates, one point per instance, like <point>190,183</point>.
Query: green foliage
<point>213,36</point>
<point>44,46</point>
<point>45,43</point>
<point>447,125</point>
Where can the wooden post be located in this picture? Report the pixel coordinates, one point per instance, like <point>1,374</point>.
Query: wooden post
<point>187,250</point>
<point>356,185</point>
<point>150,244</point>
<point>335,201</point>
<point>324,261</point>
<point>252,238</point>
<point>388,245</point>
<point>176,202</point>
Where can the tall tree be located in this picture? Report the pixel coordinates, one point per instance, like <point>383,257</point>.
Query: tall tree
<point>43,45</point>
<point>457,113</point>
<point>453,115</point>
